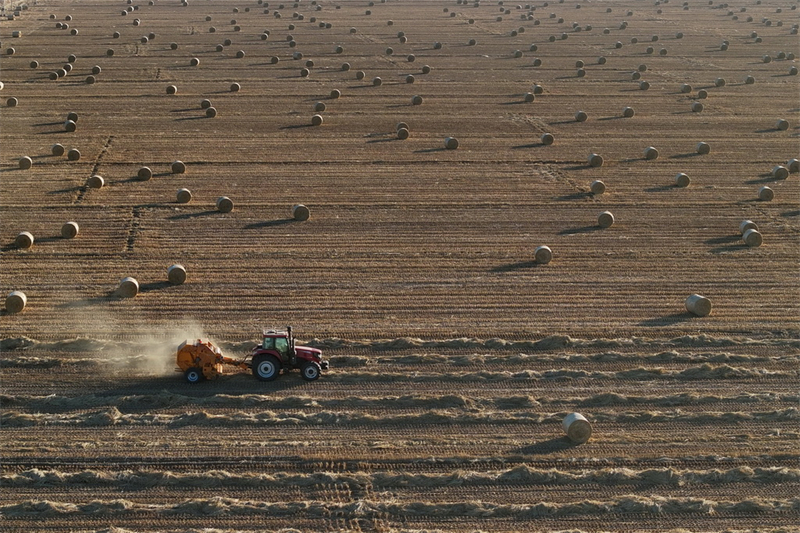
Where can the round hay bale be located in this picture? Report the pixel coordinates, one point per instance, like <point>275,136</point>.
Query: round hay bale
<point>219,48</point>
<point>235,87</point>
<point>211,112</point>
<point>402,133</point>
<point>702,94</point>
<point>426,69</point>
<point>95,181</point>
<point>345,67</point>
<point>581,116</point>
<point>547,139</point>
<point>90,80</point>
<point>70,230</point>
<point>780,172</point>
<point>581,73</point>
<point>644,85</point>
<point>537,62</point>
<point>194,62</point>
<point>451,143</point>
<point>518,54</point>
<point>663,52</point>
<point>542,255</point>
<point>752,238</point>
<point>304,73</point>
<point>224,204</point>
<point>618,44</point>
<point>70,126</point>
<point>650,153</point>
<point>335,94</point>
<point>24,240</point>
<point>205,104</point>
<point>766,194</point>
<point>401,125</point>
<point>360,75</point>
<point>533,47</point>
<point>410,78</point>
<point>793,165</point>
<point>184,196</point>
<point>16,302</point>
<point>240,54</point>
<point>537,89</point>
<point>601,60</point>
<point>411,58</point>
<point>300,212</point>
<point>698,305</point>
<point>577,428</point>
<point>529,97</point>
<point>472,42</point>
<point>67,67</point>
<point>595,160</point>
<point>173,46</point>
<point>128,287</point>
<point>649,50</point>
<point>793,71</point>
<point>74,154</point>
<point>782,125</point>
<point>437,46</point>
<point>579,64</point>
<point>682,180</point>
<point>628,112</point>
<point>25,162</point>
<point>686,88</point>
<point>10,51</point>
<point>724,47</point>
<point>178,167</point>
<point>636,75</point>
<point>274,60</point>
<point>416,100</point>
<point>110,52</point>
<point>115,35</point>
<point>319,107</point>
<point>766,58</point>
<point>719,82</point>
<point>377,81</point>
<point>605,219</point>
<point>745,225</point>
<point>61,72</point>
<point>316,120</point>
<point>171,89</point>
<point>389,51</point>
<point>697,107</point>
<point>597,187</point>
<point>176,274</point>
<point>749,80</point>
<point>144,174</point>
<point>34,64</point>
<point>702,148</point>
<point>57,149</point>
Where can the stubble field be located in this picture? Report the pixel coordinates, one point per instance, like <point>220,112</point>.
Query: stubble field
<point>454,355</point>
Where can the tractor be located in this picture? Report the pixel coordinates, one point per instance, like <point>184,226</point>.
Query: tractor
<point>199,359</point>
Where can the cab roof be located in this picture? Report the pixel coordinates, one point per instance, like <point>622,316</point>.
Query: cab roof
<point>274,333</point>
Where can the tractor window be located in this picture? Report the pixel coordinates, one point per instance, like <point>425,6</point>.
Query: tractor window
<point>282,345</point>
<point>269,343</point>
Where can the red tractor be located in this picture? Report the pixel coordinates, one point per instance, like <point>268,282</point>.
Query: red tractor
<point>200,359</point>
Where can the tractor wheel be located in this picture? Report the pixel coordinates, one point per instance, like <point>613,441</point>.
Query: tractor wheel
<point>193,375</point>
<point>310,371</point>
<point>266,368</point>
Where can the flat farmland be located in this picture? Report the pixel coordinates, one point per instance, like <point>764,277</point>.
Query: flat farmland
<point>454,354</point>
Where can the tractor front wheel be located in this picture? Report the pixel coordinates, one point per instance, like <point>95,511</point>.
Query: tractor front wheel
<point>193,375</point>
<point>310,371</point>
<point>266,368</point>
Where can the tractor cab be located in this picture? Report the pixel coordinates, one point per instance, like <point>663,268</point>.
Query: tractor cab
<point>277,352</point>
<point>280,342</point>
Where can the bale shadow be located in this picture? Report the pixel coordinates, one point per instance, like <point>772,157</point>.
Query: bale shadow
<point>660,188</point>
<point>69,189</point>
<point>154,286</point>
<point>767,130</point>
<point>511,267</point>
<point>667,320</point>
<point>572,121</point>
<point>610,118</point>
<point>791,213</point>
<point>558,444</point>
<point>584,229</point>
<point>723,240</point>
<point>191,118</point>
<point>765,178</point>
<point>296,126</point>
<point>184,110</point>
<point>270,223</point>
<point>185,216</point>
<point>574,196</point>
<point>387,140</point>
<point>732,248</point>
<point>86,302</point>
<point>684,156</point>
<point>52,132</point>
<point>430,150</point>
<point>47,124</point>
<point>522,146</point>
<point>579,167</point>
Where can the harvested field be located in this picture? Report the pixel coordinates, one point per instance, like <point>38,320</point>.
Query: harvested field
<point>454,354</point>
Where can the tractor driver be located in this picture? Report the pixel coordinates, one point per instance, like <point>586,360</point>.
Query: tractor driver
<point>282,347</point>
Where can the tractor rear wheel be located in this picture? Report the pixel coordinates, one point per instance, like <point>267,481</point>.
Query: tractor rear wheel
<point>193,375</point>
<point>310,371</point>
<point>266,367</point>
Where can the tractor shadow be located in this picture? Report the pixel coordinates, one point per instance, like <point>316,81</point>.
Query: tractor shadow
<point>667,320</point>
<point>545,447</point>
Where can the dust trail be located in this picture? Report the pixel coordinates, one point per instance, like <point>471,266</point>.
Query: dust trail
<point>522,474</point>
<point>221,506</point>
<point>166,399</point>
<point>113,417</point>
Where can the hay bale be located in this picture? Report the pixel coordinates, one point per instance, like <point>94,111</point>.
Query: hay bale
<point>345,67</point>
<point>12,102</point>
<point>766,58</point>
<point>547,139</point>
<point>650,153</point>
<point>702,148</point>
<point>16,302</point>
<point>304,73</point>
<point>316,120</point>
<point>274,60</point>
<point>74,154</point>
<point>25,162</point>
<point>205,104</point>
<point>377,81</point>
<point>235,87</point>
<point>682,180</point>
<point>697,107</point>
<point>319,107</point>
<point>70,126</point>
<point>401,125</point>
<point>300,212</point>
<point>793,165</point>
<point>686,88</point>
<point>537,89</point>
<point>144,174</point>
<point>410,78</point>
<point>402,133</point>
<point>595,160</point>
<point>176,274</point>
<point>184,196</point>
<point>601,60</point>
<point>57,149</point>
<point>34,64</point>
<point>766,194</point>
<point>335,94</point>
<point>542,255</point>
<point>110,52</point>
<point>537,62</point>
<point>528,98</point>
<point>576,427</point>
<point>416,100</point>
<point>171,89</point>
<point>128,287</point>
<point>749,80</point>
<point>793,71</point>
<point>780,172</point>
<point>628,112</point>
<point>702,94</point>
<point>745,225</point>
<point>178,167</point>
<point>597,187</point>
<point>451,143</point>
<point>752,238</point>
<point>70,230</point>
<point>224,204</point>
<point>95,181</point>
<point>24,240</point>
<point>782,125</point>
<point>644,85</point>
<point>240,54</point>
<point>605,219</point>
<point>719,82</point>
<point>211,112</point>
<point>173,46</point>
<point>581,116</point>
<point>90,80</point>
<point>698,305</point>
